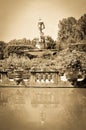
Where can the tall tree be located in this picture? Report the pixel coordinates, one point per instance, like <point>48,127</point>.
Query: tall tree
<point>2,49</point>
<point>82,23</point>
<point>71,30</point>
<point>66,29</point>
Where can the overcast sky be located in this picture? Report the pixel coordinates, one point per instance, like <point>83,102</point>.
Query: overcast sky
<point>18,18</point>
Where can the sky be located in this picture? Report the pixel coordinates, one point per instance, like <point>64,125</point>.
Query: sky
<point>19,18</point>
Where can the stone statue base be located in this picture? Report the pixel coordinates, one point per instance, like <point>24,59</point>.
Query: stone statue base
<point>40,45</point>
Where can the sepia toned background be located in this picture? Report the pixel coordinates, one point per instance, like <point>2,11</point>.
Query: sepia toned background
<point>39,108</point>
<point>18,18</point>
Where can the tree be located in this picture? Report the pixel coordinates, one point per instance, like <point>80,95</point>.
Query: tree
<point>66,29</point>
<point>2,49</point>
<point>49,42</point>
<point>82,23</point>
<point>72,30</point>
<point>18,46</point>
<point>35,41</point>
<point>77,34</point>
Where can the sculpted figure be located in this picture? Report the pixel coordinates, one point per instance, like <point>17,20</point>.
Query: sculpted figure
<point>41,26</point>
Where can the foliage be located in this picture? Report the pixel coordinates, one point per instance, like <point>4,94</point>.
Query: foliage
<point>2,49</point>
<point>35,41</point>
<point>82,23</point>
<point>18,46</point>
<point>71,61</point>
<point>70,30</point>
<point>50,43</point>
<point>23,41</point>
<point>15,61</point>
<point>65,28</point>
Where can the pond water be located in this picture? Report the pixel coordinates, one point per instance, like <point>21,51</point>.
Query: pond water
<point>42,109</point>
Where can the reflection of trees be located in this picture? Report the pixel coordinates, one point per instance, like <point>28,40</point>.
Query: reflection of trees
<point>47,99</point>
<point>3,99</point>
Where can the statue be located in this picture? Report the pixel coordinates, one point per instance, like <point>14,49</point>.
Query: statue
<point>41,26</point>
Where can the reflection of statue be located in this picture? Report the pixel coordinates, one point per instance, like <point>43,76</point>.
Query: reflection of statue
<point>41,26</point>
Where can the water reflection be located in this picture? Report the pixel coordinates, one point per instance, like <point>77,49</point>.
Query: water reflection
<point>43,108</point>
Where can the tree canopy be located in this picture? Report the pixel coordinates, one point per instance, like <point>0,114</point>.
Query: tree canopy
<point>72,30</point>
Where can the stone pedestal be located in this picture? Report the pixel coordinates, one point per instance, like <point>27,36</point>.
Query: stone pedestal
<point>40,45</point>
